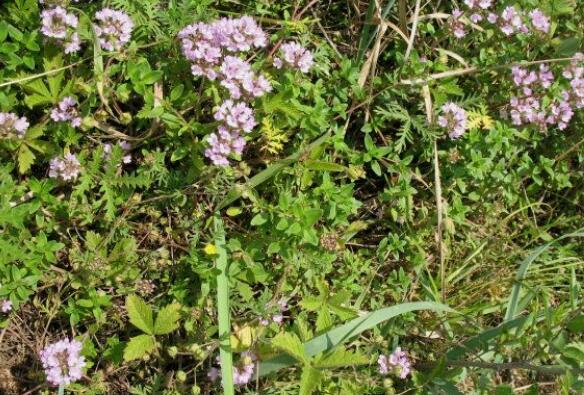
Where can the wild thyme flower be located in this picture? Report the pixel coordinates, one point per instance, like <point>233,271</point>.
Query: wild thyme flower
<point>397,362</point>
<point>539,20</point>
<point>243,370</point>
<point>454,119</point>
<point>66,168</point>
<point>114,29</point>
<point>222,144</point>
<point>296,56</point>
<point>511,21</point>
<point>63,362</point>
<point>238,78</point>
<point>12,126</point>
<point>5,306</point>
<point>66,111</point>
<point>60,25</point>
<point>237,116</point>
<point>456,24</point>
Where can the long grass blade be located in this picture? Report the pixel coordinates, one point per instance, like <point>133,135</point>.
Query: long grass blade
<point>223,309</point>
<point>348,331</point>
<point>370,29</point>
<point>524,268</point>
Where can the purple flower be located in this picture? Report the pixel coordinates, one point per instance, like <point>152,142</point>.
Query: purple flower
<point>66,111</point>
<point>456,24</point>
<point>454,119</point>
<point>511,22</point>
<point>295,56</point>
<point>114,29</point>
<point>222,144</point>
<point>242,371</point>
<point>575,68</point>
<point>5,306</point>
<point>63,362</point>
<point>11,125</point>
<point>539,21</point>
<point>237,116</point>
<point>57,23</point>
<point>397,363</point>
<point>66,168</point>
<point>476,18</point>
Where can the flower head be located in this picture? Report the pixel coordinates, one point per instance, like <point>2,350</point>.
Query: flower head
<point>5,306</point>
<point>114,29</point>
<point>66,111</point>
<point>295,56</point>
<point>454,119</point>
<point>63,362</point>
<point>60,25</point>
<point>11,125</point>
<point>397,362</point>
<point>66,168</point>
<point>539,21</point>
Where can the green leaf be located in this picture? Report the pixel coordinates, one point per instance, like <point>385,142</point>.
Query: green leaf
<point>576,325</point>
<point>324,166</point>
<point>348,331</point>
<point>140,314</point>
<point>167,319</point>
<point>309,380</point>
<point>223,308</point>
<point>340,358</point>
<point>291,345</point>
<point>139,346</point>
<point>574,351</point>
<point>25,158</point>
<point>258,219</point>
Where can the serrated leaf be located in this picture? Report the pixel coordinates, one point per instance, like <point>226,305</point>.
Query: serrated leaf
<point>167,319</point>
<point>25,159</point>
<point>341,358</point>
<point>139,346</point>
<point>291,345</point>
<point>309,380</point>
<point>140,314</point>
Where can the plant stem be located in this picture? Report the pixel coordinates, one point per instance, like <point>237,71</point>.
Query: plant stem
<point>61,390</point>
<point>223,309</point>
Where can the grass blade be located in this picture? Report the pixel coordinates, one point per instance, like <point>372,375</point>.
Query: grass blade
<point>524,268</point>
<point>370,29</point>
<point>348,331</point>
<point>236,192</point>
<point>223,309</point>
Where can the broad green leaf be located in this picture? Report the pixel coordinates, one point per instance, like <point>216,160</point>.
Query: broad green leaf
<point>574,351</point>
<point>309,380</point>
<point>340,358</point>
<point>140,314</point>
<point>167,319</point>
<point>291,345</point>
<point>576,325</point>
<point>139,346</point>
<point>258,219</point>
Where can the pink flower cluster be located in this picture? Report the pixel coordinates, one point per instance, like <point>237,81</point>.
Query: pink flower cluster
<point>526,107</point>
<point>296,56</point>
<point>66,111</point>
<point>211,49</point>
<point>242,372</point>
<point>453,119</point>
<point>510,21</point>
<point>206,44</point>
<point>66,168</point>
<point>114,29</point>
<point>5,306</point>
<point>62,362</point>
<point>397,362</point>
<point>57,23</point>
<point>11,125</point>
